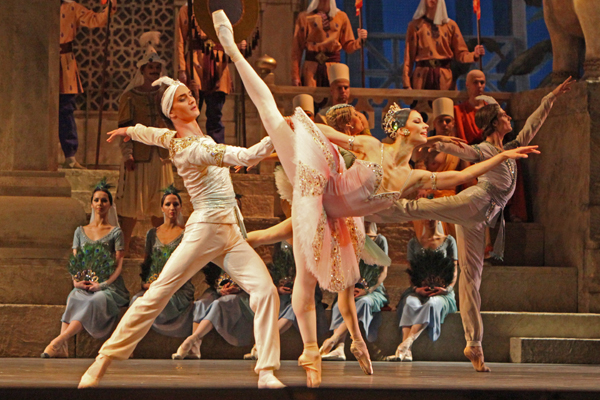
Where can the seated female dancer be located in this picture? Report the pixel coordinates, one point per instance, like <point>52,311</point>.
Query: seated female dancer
<point>212,273</point>
<point>230,315</point>
<point>473,209</point>
<point>99,289</point>
<point>328,238</point>
<point>432,256</point>
<point>370,297</point>
<point>176,318</point>
<point>212,234</point>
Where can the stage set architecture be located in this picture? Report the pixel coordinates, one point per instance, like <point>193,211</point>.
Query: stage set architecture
<point>551,261</point>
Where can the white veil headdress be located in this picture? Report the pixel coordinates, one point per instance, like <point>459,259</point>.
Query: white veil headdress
<point>332,7</point>
<point>112,218</point>
<point>441,14</point>
<point>147,40</point>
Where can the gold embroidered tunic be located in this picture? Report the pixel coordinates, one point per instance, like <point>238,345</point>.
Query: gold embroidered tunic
<point>204,167</point>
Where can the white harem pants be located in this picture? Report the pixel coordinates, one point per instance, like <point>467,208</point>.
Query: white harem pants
<point>203,242</point>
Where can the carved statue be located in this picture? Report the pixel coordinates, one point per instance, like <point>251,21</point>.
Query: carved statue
<point>574,27</point>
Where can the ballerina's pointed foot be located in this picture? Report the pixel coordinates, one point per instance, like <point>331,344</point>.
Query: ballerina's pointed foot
<point>95,372</point>
<point>225,33</point>
<point>475,355</point>
<point>56,351</point>
<point>360,351</point>
<point>310,360</point>
<point>267,380</point>
<point>190,348</point>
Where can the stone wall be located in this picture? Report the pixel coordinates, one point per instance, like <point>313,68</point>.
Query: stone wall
<point>564,183</point>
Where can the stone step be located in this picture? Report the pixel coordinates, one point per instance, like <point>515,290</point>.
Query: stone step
<point>18,339</point>
<point>532,289</point>
<point>524,244</point>
<point>554,350</point>
<point>47,282</point>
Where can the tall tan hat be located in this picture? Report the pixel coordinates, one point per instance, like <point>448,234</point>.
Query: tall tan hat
<point>305,102</point>
<point>443,106</point>
<point>338,71</point>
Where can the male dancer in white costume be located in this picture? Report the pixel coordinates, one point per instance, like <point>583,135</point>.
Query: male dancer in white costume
<point>211,234</point>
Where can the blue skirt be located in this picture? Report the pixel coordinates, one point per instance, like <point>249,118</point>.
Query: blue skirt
<point>412,310</point>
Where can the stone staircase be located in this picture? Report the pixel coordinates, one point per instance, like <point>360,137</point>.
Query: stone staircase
<point>529,309</point>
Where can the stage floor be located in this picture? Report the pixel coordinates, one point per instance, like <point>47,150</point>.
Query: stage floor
<point>443,378</point>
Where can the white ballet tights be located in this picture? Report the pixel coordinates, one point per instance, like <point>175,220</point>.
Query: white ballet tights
<point>282,136</point>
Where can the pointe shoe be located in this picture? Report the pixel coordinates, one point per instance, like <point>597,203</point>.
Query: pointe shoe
<point>310,360</point>
<point>189,345</point>
<point>337,354</point>
<point>360,351</point>
<point>328,345</point>
<point>53,351</point>
<point>253,355</point>
<point>475,355</point>
<point>226,39</point>
<point>95,372</point>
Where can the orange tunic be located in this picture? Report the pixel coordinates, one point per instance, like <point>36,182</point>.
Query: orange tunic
<point>309,35</point>
<point>422,44</point>
<point>464,117</point>
<point>72,16</point>
<point>214,77</point>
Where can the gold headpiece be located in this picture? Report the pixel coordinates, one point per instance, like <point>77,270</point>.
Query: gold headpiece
<point>395,119</point>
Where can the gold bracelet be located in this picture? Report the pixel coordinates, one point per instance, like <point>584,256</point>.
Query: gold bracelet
<point>351,142</point>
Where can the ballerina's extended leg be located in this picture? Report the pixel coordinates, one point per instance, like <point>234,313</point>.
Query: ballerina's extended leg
<point>280,132</point>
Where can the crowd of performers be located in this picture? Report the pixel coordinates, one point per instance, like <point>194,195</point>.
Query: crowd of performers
<point>335,181</point>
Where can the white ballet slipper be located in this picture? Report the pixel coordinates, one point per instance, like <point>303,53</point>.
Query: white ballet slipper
<point>337,354</point>
<point>225,33</point>
<point>267,380</point>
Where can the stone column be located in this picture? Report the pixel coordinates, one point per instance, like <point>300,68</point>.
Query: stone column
<point>37,213</point>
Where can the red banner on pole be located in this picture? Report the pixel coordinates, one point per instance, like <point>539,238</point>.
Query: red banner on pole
<point>358,5</point>
<point>477,8</point>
